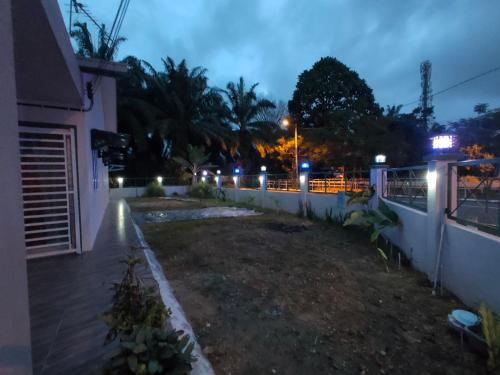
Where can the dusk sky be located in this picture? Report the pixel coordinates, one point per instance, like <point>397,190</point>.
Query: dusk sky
<point>273,41</point>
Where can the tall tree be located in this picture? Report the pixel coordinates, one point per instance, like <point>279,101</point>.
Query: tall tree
<point>190,112</point>
<point>333,98</point>
<point>105,49</point>
<point>245,109</point>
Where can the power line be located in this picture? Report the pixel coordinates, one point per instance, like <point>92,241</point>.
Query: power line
<point>457,84</point>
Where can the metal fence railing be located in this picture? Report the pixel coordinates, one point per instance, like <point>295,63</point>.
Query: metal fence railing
<point>249,181</point>
<point>407,186</point>
<point>474,194</point>
<point>283,182</point>
<point>332,183</point>
<point>133,182</point>
<point>227,182</point>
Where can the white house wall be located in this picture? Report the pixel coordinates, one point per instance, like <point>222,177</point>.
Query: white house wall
<point>93,202</point>
<point>15,342</point>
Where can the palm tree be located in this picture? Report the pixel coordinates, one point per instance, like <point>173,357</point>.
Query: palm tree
<point>245,110</point>
<point>196,161</point>
<point>189,112</point>
<point>104,50</point>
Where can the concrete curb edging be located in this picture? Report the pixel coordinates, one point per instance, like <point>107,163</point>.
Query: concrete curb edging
<point>178,318</point>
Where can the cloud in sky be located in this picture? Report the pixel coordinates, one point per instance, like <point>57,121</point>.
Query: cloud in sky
<point>273,41</point>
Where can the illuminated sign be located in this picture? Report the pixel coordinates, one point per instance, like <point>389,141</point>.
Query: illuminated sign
<point>443,142</point>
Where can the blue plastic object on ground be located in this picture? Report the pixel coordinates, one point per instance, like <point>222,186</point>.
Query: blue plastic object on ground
<point>465,318</point>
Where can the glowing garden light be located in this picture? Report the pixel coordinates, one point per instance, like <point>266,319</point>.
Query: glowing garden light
<point>237,171</point>
<point>218,171</point>
<point>204,173</point>
<point>431,178</point>
<point>120,181</point>
<point>261,180</point>
<point>263,168</point>
<point>305,165</point>
<point>380,159</point>
<point>159,179</point>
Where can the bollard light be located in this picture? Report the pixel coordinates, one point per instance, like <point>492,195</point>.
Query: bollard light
<point>380,159</point>
<point>261,180</point>
<point>159,179</point>
<point>263,168</point>
<point>120,180</point>
<point>203,179</point>
<point>302,178</point>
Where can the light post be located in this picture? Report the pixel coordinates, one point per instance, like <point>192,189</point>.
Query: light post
<point>286,123</point>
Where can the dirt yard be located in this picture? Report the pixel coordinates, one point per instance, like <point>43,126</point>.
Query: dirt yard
<point>275,294</point>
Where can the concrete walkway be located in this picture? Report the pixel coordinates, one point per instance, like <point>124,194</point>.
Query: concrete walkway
<point>68,295</point>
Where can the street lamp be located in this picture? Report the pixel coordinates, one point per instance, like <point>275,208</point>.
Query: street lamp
<point>286,124</point>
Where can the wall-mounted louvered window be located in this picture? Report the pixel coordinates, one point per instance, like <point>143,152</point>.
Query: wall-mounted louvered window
<point>50,196</point>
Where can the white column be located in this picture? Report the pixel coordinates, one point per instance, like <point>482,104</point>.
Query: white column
<point>263,181</point>
<point>437,202</point>
<point>236,179</point>
<point>378,176</point>
<point>304,188</point>
<point>218,181</point>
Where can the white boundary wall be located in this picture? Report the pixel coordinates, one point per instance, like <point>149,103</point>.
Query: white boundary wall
<point>470,259</point>
<point>135,192</point>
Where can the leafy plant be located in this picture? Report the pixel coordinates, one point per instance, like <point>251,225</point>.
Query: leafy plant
<point>251,199</point>
<point>201,191</point>
<point>195,162</point>
<point>150,350</point>
<point>491,332</point>
<point>220,194</point>
<point>154,189</point>
<point>331,218</point>
<point>133,304</point>
<point>136,319</point>
<point>375,219</point>
<point>306,210</point>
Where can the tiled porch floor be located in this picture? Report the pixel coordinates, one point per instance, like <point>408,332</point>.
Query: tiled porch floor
<point>68,295</point>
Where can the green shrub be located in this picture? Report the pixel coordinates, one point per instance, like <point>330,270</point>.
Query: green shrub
<point>201,191</point>
<point>137,320</point>
<point>491,332</point>
<point>149,350</point>
<point>154,189</point>
<point>133,304</point>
